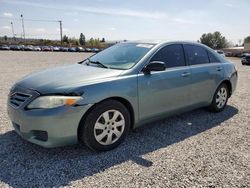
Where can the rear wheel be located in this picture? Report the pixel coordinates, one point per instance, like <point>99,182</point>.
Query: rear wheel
<point>105,126</point>
<point>220,98</point>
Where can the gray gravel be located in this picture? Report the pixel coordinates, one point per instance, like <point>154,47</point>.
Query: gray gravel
<point>195,149</point>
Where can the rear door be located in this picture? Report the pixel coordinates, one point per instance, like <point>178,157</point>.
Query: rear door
<point>207,72</point>
<point>162,92</point>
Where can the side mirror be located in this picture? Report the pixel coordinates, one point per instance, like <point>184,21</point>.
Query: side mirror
<point>154,66</point>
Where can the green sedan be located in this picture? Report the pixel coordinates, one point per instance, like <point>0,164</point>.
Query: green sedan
<point>99,100</point>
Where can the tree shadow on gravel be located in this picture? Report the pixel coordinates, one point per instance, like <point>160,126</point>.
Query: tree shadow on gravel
<point>23,164</point>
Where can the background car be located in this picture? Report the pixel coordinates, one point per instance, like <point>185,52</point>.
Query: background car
<point>221,53</point>
<point>244,54</point>
<point>64,49</point>
<point>228,54</point>
<point>28,48</point>
<point>46,48</point>
<point>56,49</point>
<point>4,47</point>
<point>95,50</point>
<point>88,50</point>
<point>15,47</point>
<point>72,49</point>
<point>21,47</point>
<point>37,48</point>
<point>245,60</point>
<point>80,49</point>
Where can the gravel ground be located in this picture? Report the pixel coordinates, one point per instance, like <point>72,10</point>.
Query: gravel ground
<point>195,149</point>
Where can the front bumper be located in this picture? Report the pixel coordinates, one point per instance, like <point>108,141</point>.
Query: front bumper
<point>48,127</point>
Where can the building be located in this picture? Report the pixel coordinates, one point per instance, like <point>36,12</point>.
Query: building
<point>247,47</point>
<point>234,51</point>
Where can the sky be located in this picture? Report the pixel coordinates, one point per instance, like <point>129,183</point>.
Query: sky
<point>127,19</point>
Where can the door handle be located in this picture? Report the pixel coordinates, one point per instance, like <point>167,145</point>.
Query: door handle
<point>185,74</point>
<point>218,68</point>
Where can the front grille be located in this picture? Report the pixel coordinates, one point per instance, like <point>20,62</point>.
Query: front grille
<point>17,99</point>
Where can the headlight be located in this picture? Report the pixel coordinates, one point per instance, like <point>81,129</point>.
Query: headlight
<point>53,101</point>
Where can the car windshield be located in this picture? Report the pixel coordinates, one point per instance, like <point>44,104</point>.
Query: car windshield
<point>122,55</point>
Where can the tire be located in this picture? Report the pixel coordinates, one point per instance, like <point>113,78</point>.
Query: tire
<point>100,130</point>
<point>220,99</point>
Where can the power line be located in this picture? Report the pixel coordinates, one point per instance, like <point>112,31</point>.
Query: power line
<point>31,20</point>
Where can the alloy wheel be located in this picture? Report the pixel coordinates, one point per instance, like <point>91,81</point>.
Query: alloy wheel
<point>221,97</point>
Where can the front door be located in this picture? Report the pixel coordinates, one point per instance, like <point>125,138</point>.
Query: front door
<point>163,92</point>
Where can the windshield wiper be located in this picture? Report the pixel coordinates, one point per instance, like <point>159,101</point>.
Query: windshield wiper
<point>98,63</point>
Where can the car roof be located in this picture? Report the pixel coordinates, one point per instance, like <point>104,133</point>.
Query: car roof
<point>160,42</point>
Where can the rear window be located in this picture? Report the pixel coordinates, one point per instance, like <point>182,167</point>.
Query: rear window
<point>212,58</point>
<point>196,54</point>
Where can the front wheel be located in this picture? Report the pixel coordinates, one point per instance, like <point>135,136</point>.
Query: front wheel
<point>220,98</point>
<point>105,126</point>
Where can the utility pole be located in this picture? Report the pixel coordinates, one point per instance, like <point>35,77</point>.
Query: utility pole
<point>60,22</point>
<point>12,30</point>
<point>23,29</point>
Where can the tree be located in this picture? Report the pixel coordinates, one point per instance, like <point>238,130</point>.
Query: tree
<point>91,42</point>
<point>247,39</point>
<point>5,38</point>
<point>214,40</point>
<point>97,43</point>
<point>82,39</point>
<point>65,39</point>
<point>103,40</point>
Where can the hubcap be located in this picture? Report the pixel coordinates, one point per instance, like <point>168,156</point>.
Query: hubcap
<point>221,97</point>
<point>109,127</point>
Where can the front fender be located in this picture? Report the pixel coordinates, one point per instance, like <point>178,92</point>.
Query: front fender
<point>124,87</point>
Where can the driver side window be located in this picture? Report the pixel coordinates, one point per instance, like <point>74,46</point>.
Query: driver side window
<point>172,55</point>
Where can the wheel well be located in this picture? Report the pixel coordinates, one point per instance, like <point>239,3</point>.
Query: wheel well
<point>125,102</point>
<point>229,85</point>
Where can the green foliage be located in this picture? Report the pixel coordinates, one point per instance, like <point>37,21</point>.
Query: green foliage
<point>92,42</point>
<point>247,39</point>
<point>103,40</point>
<point>214,40</point>
<point>96,43</point>
<point>65,39</point>
<point>82,39</point>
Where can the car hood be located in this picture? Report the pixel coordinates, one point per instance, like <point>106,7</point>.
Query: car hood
<point>61,79</point>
